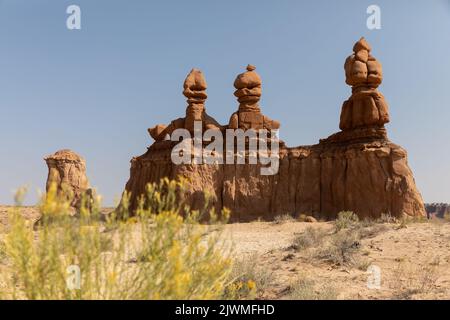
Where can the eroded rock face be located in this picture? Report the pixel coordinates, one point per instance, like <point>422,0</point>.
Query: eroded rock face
<point>67,170</point>
<point>356,169</point>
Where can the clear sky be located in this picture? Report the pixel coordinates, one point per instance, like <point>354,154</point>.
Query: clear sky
<point>97,90</point>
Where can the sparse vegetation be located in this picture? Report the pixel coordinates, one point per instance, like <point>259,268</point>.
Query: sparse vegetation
<point>248,279</point>
<point>345,219</point>
<point>311,237</point>
<point>305,289</point>
<point>2,251</point>
<point>371,231</point>
<point>175,260</point>
<point>284,218</point>
<point>125,257</point>
<point>410,280</point>
<point>340,249</point>
<point>387,218</point>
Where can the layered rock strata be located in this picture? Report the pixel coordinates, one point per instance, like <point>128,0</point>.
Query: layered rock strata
<point>357,169</point>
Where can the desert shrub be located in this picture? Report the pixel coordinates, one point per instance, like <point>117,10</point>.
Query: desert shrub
<point>157,254</point>
<point>412,279</point>
<point>311,237</point>
<point>345,219</point>
<point>362,263</point>
<point>2,251</point>
<point>248,279</point>
<point>446,216</point>
<point>284,218</point>
<point>371,230</point>
<point>305,289</point>
<point>341,249</point>
<point>387,218</point>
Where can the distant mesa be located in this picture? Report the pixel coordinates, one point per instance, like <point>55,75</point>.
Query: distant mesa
<point>356,169</point>
<point>440,210</point>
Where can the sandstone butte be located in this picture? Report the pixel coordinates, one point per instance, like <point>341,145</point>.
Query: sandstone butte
<point>67,171</point>
<point>356,169</point>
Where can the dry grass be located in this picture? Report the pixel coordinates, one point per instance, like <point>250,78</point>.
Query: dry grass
<point>249,279</point>
<point>178,261</point>
<point>340,249</point>
<point>284,218</point>
<point>306,289</point>
<point>345,220</point>
<point>411,280</point>
<point>311,237</point>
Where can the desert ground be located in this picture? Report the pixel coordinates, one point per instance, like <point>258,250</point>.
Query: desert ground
<point>290,259</point>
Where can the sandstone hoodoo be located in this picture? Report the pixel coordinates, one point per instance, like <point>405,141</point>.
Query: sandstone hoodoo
<point>356,169</point>
<point>195,92</point>
<point>366,106</point>
<point>248,92</point>
<point>67,171</point>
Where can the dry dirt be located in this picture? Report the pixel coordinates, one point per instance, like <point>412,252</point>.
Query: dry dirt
<point>414,258</point>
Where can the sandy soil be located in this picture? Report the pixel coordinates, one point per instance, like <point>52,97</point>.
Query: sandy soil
<point>414,259</point>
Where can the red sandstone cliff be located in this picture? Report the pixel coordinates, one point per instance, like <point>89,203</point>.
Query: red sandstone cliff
<point>356,169</point>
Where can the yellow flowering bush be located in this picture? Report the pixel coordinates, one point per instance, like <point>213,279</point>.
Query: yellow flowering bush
<point>162,252</point>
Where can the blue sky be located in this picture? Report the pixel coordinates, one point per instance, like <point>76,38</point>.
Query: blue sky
<point>98,89</point>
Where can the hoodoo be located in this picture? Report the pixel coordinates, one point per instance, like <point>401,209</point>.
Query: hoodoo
<point>195,92</point>
<point>67,171</point>
<point>357,169</point>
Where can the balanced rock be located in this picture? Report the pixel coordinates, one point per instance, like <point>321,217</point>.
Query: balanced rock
<point>67,171</point>
<point>366,106</point>
<point>248,92</point>
<point>195,92</point>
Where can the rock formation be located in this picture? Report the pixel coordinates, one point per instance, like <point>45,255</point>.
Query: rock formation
<point>356,169</point>
<point>195,92</point>
<point>248,92</point>
<point>439,210</point>
<point>67,170</point>
<point>366,106</point>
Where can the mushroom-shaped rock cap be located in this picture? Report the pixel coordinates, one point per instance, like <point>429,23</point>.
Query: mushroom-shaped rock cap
<point>65,154</point>
<point>362,44</point>
<point>195,87</point>
<point>248,79</point>
<point>195,80</point>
